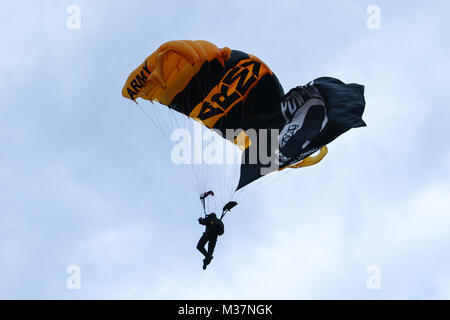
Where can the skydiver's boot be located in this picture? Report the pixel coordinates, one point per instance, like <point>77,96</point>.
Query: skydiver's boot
<point>207,261</point>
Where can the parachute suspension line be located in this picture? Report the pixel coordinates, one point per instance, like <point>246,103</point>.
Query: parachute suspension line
<point>154,123</point>
<point>198,174</point>
<point>227,170</point>
<point>158,125</point>
<point>215,204</point>
<point>207,207</point>
<point>264,185</point>
<point>238,161</point>
<point>223,214</point>
<point>191,124</point>
<point>198,170</point>
<point>253,188</point>
<point>223,178</point>
<point>216,174</point>
<point>191,168</point>
<point>202,172</point>
<point>190,172</point>
<point>205,204</point>
<point>206,172</point>
<point>261,184</point>
<point>249,189</point>
<point>238,195</point>
<point>226,176</point>
<point>235,173</point>
<point>209,168</point>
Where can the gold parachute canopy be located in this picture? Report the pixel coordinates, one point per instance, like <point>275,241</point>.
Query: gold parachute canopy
<point>168,70</point>
<point>228,89</point>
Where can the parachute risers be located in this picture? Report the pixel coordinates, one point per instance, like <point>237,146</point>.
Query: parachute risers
<point>202,198</point>
<point>230,205</point>
<point>205,194</point>
<point>227,207</point>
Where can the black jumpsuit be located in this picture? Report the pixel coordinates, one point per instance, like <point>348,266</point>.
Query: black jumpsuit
<point>210,235</point>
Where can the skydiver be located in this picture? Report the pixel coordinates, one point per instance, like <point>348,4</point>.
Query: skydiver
<point>214,228</point>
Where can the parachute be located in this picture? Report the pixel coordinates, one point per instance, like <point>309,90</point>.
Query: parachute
<point>237,95</point>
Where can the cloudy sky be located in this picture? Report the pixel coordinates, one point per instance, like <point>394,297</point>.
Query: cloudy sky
<point>87,180</point>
